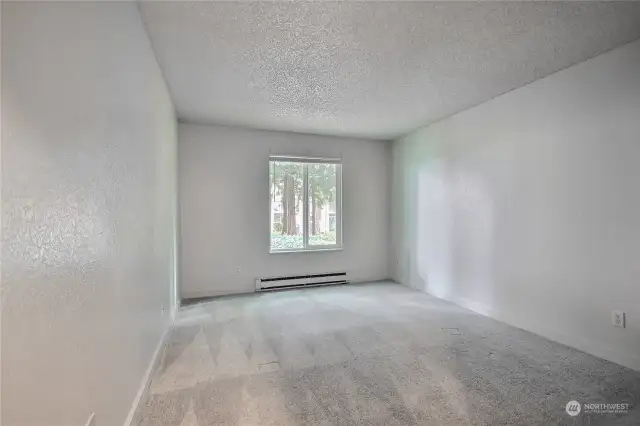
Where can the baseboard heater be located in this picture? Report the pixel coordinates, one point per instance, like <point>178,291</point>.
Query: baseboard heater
<point>296,281</point>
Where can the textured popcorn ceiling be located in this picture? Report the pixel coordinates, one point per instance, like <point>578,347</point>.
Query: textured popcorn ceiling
<point>370,69</point>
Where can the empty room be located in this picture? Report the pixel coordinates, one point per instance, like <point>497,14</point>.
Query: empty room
<point>320,213</point>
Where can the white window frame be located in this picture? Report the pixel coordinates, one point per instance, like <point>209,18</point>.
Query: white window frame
<point>305,203</point>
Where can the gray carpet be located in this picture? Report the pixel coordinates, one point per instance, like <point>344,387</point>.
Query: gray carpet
<point>374,354</point>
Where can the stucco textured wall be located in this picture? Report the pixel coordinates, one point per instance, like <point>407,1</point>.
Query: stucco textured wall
<point>224,208</point>
<point>88,211</point>
<point>526,208</point>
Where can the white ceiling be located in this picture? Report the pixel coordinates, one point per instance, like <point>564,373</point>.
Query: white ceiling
<point>368,69</point>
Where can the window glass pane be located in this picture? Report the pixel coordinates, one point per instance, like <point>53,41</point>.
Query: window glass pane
<point>286,205</point>
<point>322,192</point>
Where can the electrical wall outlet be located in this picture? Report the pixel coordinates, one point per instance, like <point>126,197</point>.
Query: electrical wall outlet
<point>617,319</point>
<point>92,420</point>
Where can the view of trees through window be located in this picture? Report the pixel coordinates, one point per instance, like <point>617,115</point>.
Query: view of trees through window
<point>304,189</point>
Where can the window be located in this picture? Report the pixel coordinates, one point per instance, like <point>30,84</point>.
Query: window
<point>305,207</point>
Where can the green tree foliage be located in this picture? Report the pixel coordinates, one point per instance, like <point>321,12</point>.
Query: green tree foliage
<point>287,181</point>
<point>322,190</point>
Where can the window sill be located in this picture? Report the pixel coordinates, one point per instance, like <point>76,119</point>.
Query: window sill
<point>305,250</point>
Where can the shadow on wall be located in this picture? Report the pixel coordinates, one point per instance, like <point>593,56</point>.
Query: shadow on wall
<point>452,236</point>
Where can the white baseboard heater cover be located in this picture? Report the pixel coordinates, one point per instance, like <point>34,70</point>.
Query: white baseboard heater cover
<point>295,281</point>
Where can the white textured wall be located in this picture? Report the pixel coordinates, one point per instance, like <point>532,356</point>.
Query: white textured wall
<point>224,208</point>
<point>527,207</point>
<point>88,172</point>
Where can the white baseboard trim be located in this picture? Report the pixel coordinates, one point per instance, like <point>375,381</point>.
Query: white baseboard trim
<point>146,379</point>
<point>578,342</point>
<point>199,294</point>
<point>373,281</point>
<point>575,341</point>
